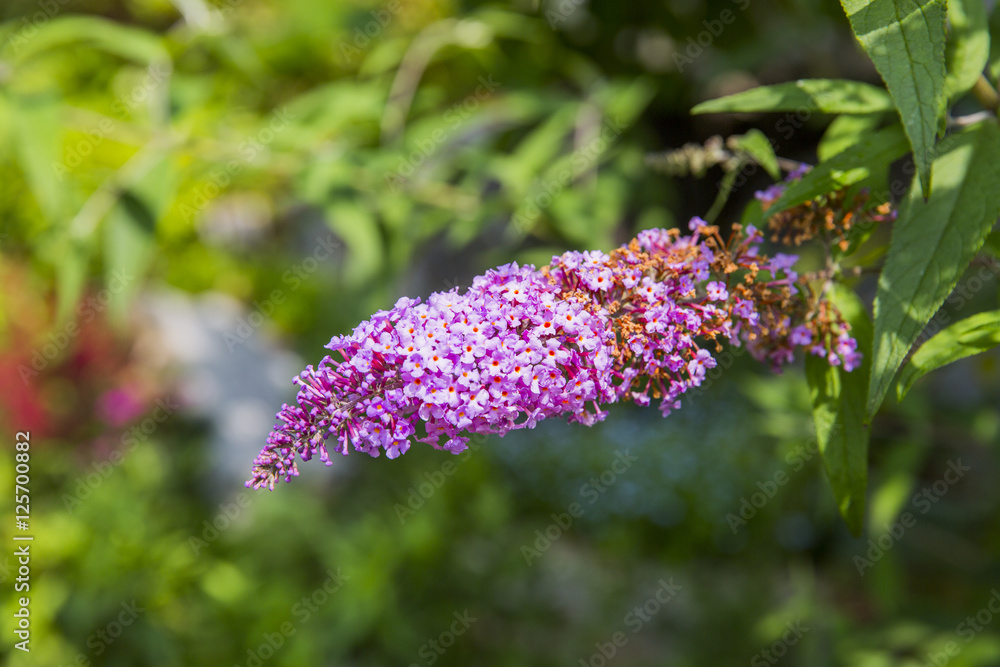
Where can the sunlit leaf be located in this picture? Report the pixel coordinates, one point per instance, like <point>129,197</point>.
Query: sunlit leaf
<point>756,144</point>
<point>968,47</point>
<point>844,132</point>
<point>820,95</point>
<point>906,41</point>
<point>932,245</point>
<point>869,157</point>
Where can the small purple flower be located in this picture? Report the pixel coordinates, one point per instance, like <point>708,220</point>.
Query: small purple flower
<point>847,349</point>
<point>696,223</point>
<point>800,335</point>
<point>717,291</point>
<point>782,262</point>
<point>771,193</point>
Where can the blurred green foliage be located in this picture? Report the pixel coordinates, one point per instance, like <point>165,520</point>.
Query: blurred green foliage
<point>215,147</point>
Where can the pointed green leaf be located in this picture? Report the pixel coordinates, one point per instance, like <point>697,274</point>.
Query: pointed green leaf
<point>905,39</point>
<point>968,46</point>
<point>756,144</point>
<point>869,157</point>
<point>963,339</point>
<point>839,414</point>
<point>932,245</point>
<point>820,95</point>
<point>844,132</point>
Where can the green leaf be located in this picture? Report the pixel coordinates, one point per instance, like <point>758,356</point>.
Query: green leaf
<point>839,414</point>
<point>820,95</point>
<point>624,102</point>
<point>130,234</point>
<point>38,135</point>
<point>932,245</point>
<point>906,41</point>
<point>110,36</point>
<point>128,246</point>
<point>963,339</point>
<point>359,230</point>
<point>71,275</point>
<point>756,144</point>
<point>753,214</point>
<point>992,244</point>
<point>994,60</point>
<point>899,470</point>
<point>540,148</point>
<point>844,132</point>
<point>869,157</point>
<point>968,47</point>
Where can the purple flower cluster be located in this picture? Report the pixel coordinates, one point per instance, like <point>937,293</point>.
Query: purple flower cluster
<point>504,355</point>
<point>522,345</point>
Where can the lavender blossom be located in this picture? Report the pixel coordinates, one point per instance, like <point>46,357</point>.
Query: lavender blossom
<point>522,345</point>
